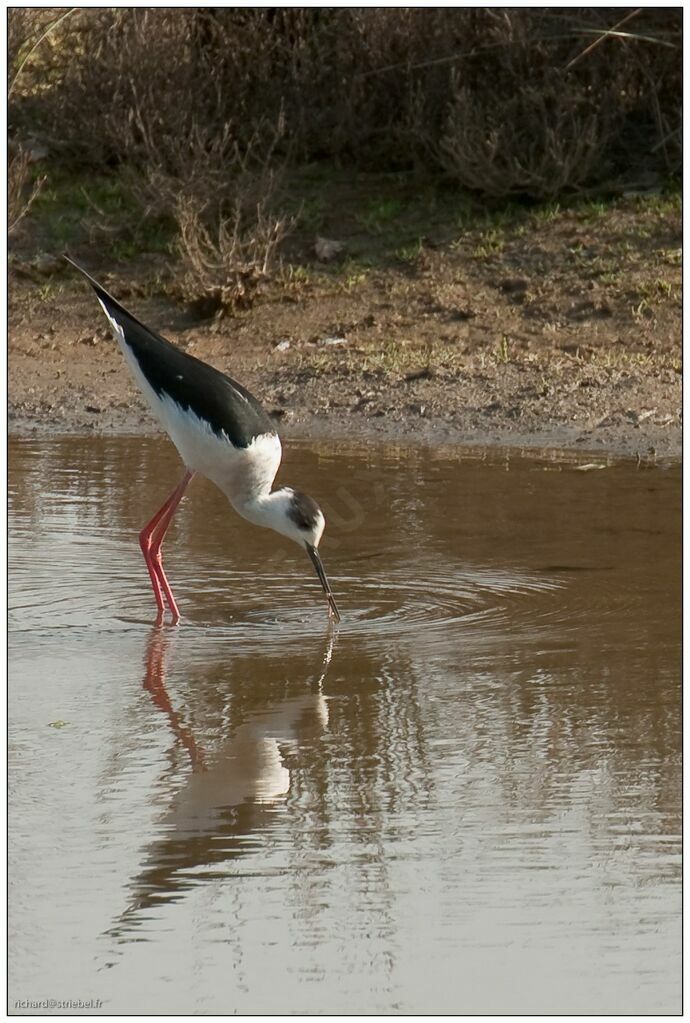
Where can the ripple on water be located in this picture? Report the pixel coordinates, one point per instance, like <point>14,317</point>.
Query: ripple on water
<point>101,589</point>
<point>437,605</point>
<point>425,598</point>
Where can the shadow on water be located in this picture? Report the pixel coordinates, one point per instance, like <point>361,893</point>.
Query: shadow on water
<point>470,803</point>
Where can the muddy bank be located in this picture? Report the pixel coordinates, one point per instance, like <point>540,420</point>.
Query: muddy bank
<point>558,330</point>
<point>646,434</point>
<point>71,378</point>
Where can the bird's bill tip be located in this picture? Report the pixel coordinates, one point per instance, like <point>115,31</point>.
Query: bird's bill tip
<point>333,611</point>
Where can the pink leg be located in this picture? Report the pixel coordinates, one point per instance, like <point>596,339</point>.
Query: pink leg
<point>151,539</point>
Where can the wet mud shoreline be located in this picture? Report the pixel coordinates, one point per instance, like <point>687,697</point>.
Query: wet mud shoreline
<point>656,434</point>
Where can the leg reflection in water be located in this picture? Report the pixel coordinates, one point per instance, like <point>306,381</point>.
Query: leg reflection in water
<point>234,789</point>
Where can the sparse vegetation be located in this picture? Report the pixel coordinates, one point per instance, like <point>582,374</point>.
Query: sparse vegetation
<point>193,114</point>
<point>22,188</point>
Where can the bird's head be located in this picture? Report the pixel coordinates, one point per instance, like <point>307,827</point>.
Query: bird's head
<point>299,517</point>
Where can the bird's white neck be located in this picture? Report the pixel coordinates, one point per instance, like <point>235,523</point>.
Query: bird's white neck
<point>266,508</point>
<point>283,510</point>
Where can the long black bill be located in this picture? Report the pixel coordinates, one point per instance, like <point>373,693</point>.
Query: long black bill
<point>316,558</point>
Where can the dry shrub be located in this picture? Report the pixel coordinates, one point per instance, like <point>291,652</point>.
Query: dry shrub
<point>22,190</point>
<point>529,144</point>
<point>122,78</point>
<point>25,28</point>
<point>530,110</point>
<point>225,201</point>
<point>143,89</point>
<point>103,67</point>
<point>227,260</point>
<point>224,196</point>
<point>494,97</point>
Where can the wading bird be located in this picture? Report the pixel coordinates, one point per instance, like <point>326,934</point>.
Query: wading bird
<point>221,432</point>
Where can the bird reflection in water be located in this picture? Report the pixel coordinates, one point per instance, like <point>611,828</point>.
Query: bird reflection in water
<point>232,793</point>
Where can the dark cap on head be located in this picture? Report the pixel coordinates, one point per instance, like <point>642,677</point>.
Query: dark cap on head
<point>303,511</point>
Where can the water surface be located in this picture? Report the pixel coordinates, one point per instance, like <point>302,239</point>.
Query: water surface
<point>466,800</point>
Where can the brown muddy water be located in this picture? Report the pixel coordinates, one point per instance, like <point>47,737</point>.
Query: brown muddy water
<point>464,801</point>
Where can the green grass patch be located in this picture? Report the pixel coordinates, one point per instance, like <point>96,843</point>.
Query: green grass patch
<point>74,209</point>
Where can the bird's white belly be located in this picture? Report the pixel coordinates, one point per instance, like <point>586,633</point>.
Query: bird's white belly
<point>241,473</point>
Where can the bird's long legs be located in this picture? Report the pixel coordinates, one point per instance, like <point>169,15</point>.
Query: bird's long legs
<point>151,541</point>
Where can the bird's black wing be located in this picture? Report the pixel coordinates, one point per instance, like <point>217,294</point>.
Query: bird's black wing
<point>227,406</point>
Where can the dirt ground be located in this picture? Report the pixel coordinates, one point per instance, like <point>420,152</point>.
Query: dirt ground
<point>555,328</point>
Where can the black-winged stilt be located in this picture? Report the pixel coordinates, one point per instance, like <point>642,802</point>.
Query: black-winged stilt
<point>221,432</point>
